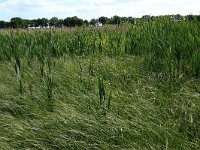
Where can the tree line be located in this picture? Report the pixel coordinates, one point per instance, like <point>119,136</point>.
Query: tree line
<point>54,22</point>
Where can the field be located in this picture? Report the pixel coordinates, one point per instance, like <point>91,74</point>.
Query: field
<point>111,87</point>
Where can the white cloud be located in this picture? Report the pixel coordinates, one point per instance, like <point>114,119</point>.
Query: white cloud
<point>88,9</point>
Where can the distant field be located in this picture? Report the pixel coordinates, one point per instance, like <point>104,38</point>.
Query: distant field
<point>111,87</point>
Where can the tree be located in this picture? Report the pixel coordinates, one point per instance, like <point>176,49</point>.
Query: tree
<point>25,23</point>
<point>153,18</point>
<point>93,22</point>
<point>73,21</point>
<point>131,20</point>
<point>103,20</point>
<point>124,19</point>
<point>34,23</point>
<point>38,23</point>
<point>59,23</point>
<point>2,24</point>
<point>178,17</point>
<point>116,20</point>
<point>198,18</point>
<point>86,23</point>
<point>53,21</point>
<point>16,22</point>
<point>193,17</point>
<point>8,25</point>
<point>146,18</point>
<point>44,22</point>
<point>67,22</point>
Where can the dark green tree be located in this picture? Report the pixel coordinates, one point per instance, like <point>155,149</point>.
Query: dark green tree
<point>124,19</point>
<point>103,20</point>
<point>16,22</point>
<point>116,20</point>
<point>146,18</point>
<point>93,22</point>
<point>34,23</point>
<point>73,21</point>
<point>38,22</point>
<point>44,22</point>
<point>178,17</point>
<point>53,21</point>
<point>67,22</point>
<point>131,20</point>
<point>2,24</point>
<point>26,23</point>
<point>86,23</point>
<point>193,17</point>
<point>198,18</point>
<point>8,25</point>
<point>59,23</point>
<point>190,17</point>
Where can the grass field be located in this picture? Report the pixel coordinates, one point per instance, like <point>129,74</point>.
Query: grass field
<point>119,87</point>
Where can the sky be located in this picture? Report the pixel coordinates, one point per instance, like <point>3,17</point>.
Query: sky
<point>88,9</point>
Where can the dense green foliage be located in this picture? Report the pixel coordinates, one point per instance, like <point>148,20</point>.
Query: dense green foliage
<point>114,87</point>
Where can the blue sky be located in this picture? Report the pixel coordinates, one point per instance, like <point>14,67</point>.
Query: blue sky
<point>88,9</point>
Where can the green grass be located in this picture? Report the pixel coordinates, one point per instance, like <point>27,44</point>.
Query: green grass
<point>125,87</point>
<point>142,114</point>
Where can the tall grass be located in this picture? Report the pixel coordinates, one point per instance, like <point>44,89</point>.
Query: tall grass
<point>170,47</point>
<point>74,72</point>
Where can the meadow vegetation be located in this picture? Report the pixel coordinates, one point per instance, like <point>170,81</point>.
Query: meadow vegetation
<point>112,87</point>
